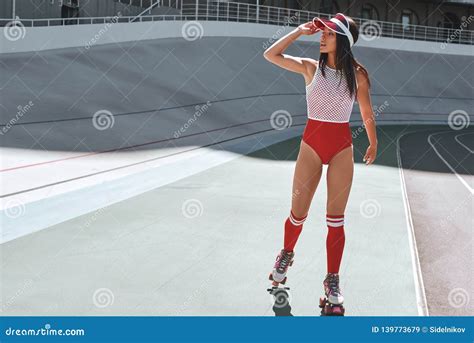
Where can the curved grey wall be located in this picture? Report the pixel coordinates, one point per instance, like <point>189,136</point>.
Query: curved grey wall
<point>152,88</point>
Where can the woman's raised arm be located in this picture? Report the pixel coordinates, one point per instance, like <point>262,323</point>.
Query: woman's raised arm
<point>275,53</point>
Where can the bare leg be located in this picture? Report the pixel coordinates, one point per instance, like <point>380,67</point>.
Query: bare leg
<point>339,181</point>
<point>307,175</point>
<point>305,181</point>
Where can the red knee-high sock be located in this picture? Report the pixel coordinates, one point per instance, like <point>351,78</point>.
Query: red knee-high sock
<point>335,242</point>
<point>293,228</point>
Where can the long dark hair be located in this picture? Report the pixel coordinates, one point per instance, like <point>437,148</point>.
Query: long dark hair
<point>346,64</point>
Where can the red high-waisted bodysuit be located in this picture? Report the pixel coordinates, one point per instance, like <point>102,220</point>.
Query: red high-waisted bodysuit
<point>329,107</point>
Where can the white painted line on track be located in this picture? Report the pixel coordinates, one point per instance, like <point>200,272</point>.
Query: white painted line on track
<point>462,144</point>
<point>421,302</point>
<point>460,178</point>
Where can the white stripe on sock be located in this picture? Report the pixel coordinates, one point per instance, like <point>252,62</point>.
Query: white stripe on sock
<point>335,222</point>
<point>296,222</point>
<point>332,224</point>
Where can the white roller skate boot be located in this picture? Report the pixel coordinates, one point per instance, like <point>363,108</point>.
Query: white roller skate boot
<point>283,261</point>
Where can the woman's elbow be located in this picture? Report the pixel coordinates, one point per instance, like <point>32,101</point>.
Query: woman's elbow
<point>267,55</point>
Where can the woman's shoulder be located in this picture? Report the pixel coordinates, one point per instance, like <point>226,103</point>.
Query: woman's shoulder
<point>361,74</point>
<point>360,70</point>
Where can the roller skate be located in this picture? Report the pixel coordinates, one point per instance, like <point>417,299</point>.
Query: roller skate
<point>331,304</point>
<point>283,261</point>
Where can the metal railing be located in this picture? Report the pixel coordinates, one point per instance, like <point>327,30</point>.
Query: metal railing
<point>249,13</point>
<point>152,6</point>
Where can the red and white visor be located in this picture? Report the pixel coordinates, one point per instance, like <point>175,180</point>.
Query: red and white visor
<point>338,24</point>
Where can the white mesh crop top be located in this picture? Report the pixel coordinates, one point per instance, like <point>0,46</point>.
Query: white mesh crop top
<point>327,99</point>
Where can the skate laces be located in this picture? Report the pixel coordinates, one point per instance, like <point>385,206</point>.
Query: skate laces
<point>333,283</point>
<point>284,259</point>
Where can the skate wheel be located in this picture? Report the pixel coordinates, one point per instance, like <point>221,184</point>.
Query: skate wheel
<point>322,302</point>
<point>333,310</point>
<point>343,310</point>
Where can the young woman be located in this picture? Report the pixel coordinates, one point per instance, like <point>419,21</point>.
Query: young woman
<point>333,83</point>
